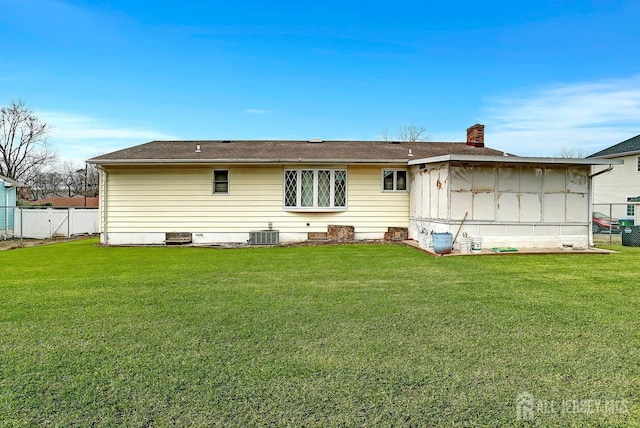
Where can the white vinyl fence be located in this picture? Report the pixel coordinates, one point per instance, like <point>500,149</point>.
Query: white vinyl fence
<point>43,223</point>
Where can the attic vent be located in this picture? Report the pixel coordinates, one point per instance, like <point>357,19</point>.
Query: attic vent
<point>395,142</point>
<point>263,237</point>
<point>315,140</point>
<point>198,148</point>
<point>226,141</point>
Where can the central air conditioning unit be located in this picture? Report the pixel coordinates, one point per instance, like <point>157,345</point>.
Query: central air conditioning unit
<point>263,237</point>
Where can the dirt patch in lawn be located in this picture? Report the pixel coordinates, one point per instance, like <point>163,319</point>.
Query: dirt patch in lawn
<point>13,243</point>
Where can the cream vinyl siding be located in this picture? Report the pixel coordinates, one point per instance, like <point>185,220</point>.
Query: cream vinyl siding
<point>618,184</point>
<point>181,199</point>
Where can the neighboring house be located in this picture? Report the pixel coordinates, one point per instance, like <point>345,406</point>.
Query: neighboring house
<point>8,190</point>
<point>71,202</point>
<point>221,191</point>
<point>622,183</point>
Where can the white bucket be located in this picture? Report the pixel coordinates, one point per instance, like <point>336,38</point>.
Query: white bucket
<point>465,245</point>
<point>422,240</point>
<point>476,244</point>
<point>425,240</point>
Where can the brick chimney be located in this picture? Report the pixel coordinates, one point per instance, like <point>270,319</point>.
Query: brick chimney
<point>475,135</point>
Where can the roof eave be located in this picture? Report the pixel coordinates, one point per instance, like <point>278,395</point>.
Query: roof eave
<point>241,161</point>
<point>516,159</point>
<point>618,155</point>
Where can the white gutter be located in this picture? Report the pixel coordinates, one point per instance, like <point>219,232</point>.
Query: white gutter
<point>242,161</point>
<point>515,159</point>
<point>601,172</point>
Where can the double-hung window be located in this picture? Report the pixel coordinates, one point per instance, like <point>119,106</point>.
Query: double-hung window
<point>394,180</point>
<point>315,189</point>
<point>221,182</point>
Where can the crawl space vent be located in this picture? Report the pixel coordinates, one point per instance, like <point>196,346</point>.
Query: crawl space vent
<point>263,237</point>
<point>177,238</point>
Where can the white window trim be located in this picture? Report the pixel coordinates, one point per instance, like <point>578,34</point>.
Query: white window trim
<point>395,178</point>
<point>213,181</point>
<point>315,207</point>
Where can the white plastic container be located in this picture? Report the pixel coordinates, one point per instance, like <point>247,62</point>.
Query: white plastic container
<point>476,244</point>
<point>465,245</point>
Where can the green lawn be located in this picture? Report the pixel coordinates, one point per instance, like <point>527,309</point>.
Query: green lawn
<point>351,335</point>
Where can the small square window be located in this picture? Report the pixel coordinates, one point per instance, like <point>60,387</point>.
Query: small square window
<point>394,180</point>
<point>220,181</point>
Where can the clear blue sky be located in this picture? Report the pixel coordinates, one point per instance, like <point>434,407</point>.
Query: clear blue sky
<point>539,74</point>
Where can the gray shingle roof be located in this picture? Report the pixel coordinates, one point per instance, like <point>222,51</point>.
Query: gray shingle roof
<point>627,146</point>
<point>285,151</point>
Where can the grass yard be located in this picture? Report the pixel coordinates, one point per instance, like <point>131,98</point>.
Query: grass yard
<point>350,335</point>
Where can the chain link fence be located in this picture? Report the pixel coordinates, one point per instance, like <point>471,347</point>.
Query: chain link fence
<point>616,224</point>
<point>612,224</point>
<point>18,223</point>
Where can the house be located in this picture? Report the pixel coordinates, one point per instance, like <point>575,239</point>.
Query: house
<point>7,205</point>
<point>293,191</point>
<point>622,183</point>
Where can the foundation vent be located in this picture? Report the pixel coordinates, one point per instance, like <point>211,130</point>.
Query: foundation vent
<point>263,237</point>
<point>177,238</point>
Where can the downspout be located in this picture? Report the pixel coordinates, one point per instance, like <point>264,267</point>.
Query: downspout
<point>103,206</point>
<point>6,212</point>
<point>590,202</point>
<point>601,172</point>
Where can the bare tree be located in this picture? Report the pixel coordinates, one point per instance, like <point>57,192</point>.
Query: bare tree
<point>407,133</point>
<point>65,180</point>
<point>571,152</point>
<point>44,182</point>
<point>23,142</point>
<point>71,179</point>
<point>412,133</point>
<point>92,178</point>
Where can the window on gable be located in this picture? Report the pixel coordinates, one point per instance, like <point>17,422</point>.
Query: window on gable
<point>315,189</point>
<point>221,181</point>
<point>638,167</point>
<point>394,180</point>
